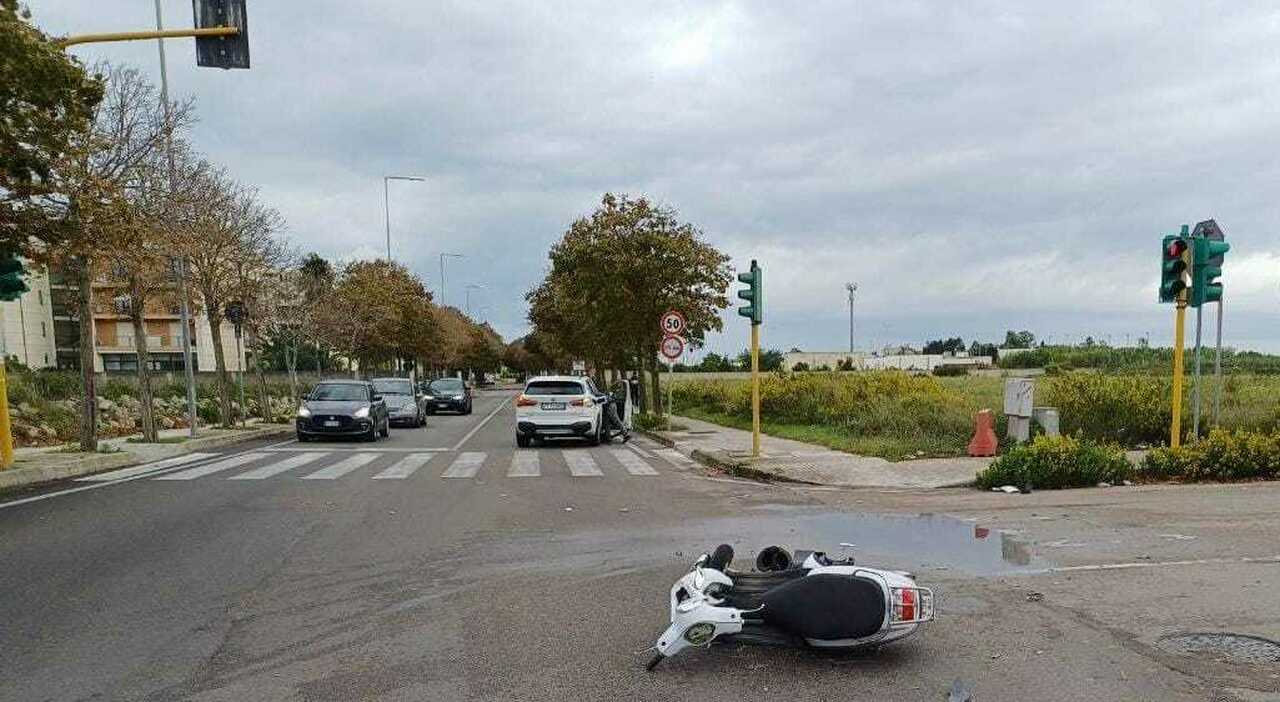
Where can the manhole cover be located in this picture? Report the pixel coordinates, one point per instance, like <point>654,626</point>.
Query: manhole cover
<point>1235,648</point>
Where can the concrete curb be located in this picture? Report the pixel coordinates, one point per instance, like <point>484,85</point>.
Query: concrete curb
<point>76,466</point>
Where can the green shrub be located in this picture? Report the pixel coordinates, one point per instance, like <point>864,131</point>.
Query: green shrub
<point>1124,409</point>
<point>1221,456</point>
<point>1049,463</point>
<point>115,388</point>
<point>56,385</point>
<point>950,371</point>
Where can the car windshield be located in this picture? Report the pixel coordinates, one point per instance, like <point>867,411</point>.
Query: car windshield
<point>340,391</point>
<point>445,385</point>
<point>393,386</point>
<point>554,387</point>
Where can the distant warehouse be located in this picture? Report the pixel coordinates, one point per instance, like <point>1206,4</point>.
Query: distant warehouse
<point>859,360</point>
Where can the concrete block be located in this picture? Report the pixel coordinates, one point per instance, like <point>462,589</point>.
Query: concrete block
<point>1047,417</point>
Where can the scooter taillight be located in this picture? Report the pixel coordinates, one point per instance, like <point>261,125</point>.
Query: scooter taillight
<point>912,604</point>
<point>905,604</point>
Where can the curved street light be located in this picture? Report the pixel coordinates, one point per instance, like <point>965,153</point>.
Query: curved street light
<point>386,203</point>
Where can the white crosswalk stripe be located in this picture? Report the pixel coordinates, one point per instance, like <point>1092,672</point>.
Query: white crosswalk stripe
<point>674,457</point>
<point>466,465</point>
<point>146,468</point>
<point>211,468</point>
<point>342,467</point>
<point>404,467</point>
<point>279,467</point>
<point>634,464</point>
<point>524,464</point>
<point>581,464</point>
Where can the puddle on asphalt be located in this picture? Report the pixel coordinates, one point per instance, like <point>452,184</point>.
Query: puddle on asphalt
<point>927,544</point>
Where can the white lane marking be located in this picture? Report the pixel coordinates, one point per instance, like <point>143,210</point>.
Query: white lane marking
<point>342,467</point>
<point>146,468</point>
<point>581,464</point>
<point>1159,564</point>
<point>466,465</point>
<point>634,464</point>
<point>209,469</point>
<point>483,422</point>
<point>524,464</point>
<point>278,467</point>
<point>632,445</point>
<point>95,486</point>
<point>404,467</point>
<point>358,449</point>
<point>674,457</point>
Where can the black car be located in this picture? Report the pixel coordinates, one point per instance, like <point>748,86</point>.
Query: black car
<point>403,405</point>
<point>343,408</point>
<point>449,395</point>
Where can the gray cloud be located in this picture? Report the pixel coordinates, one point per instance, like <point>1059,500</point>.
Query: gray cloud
<point>975,167</point>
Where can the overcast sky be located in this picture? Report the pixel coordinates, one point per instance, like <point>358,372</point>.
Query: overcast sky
<point>973,166</point>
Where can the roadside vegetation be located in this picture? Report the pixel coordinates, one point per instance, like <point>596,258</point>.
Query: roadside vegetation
<point>1048,463</point>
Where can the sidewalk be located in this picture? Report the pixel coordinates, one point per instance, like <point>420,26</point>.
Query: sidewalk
<point>44,464</point>
<point>730,449</point>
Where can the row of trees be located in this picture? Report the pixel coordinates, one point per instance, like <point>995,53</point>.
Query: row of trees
<point>612,275</point>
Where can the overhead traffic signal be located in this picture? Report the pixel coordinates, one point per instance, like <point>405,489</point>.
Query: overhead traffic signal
<point>1175,252</point>
<point>222,51</point>
<point>1207,256</point>
<point>753,293</point>
<point>11,271</point>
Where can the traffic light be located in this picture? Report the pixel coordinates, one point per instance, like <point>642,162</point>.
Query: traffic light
<point>11,271</point>
<point>222,52</point>
<point>753,293</point>
<point>1174,252</point>
<point>1207,256</point>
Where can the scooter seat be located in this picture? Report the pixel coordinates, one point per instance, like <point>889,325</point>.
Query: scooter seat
<point>826,606</point>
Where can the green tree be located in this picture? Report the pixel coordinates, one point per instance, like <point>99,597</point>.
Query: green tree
<point>1018,339</point>
<point>615,272</point>
<point>47,103</point>
<point>377,312</point>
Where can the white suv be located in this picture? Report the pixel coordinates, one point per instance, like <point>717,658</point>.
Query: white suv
<point>558,406</point>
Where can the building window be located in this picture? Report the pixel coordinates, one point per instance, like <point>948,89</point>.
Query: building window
<point>40,296</point>
<point>44,331</point>
<point>122,362</point>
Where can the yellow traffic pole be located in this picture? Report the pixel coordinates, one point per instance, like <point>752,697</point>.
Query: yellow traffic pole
<point>152,34</point>
<point>755,390</point>
<point>6,435</point>
<point>1175,430</point>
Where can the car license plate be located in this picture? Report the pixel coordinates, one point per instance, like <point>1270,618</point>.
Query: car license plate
<point>442,405</point>
<point>553,405</point>
<point>331,423</point>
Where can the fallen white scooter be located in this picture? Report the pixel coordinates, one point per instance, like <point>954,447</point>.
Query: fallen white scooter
<point>820,603</point>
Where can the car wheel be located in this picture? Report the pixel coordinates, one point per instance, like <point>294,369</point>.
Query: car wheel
<point>372,434</point>
<point>522,441</point>
<point>302,438</point>
<point>594,439</point>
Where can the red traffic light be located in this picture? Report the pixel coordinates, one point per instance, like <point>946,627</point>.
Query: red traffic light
<point>1176,248</point>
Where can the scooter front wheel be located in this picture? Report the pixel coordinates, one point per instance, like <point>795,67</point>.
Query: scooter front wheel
<point>653,662</point>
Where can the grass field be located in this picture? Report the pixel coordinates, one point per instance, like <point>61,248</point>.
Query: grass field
<point>897,416</point>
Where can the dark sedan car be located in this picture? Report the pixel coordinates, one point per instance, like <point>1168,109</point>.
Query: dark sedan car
<point>403,405</point>
<point>448,395</point>
<point>343,408</point>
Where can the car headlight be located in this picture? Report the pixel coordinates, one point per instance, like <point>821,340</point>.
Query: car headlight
<point>303,412</point>
<point>457,397</point>
<point>362,413</point>
<point>428,397</point>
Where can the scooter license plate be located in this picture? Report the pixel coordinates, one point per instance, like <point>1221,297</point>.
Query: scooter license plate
<point>558,406</point>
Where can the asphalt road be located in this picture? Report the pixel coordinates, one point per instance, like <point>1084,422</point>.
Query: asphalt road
<point>444,564</point>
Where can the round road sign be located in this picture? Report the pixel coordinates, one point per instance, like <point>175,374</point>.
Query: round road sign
<point>672,347</point>
<point>672,323</point>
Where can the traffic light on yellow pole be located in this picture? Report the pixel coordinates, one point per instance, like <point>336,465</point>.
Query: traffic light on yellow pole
<point>754,310</point>
<point>1175,260</point>
<point>11,288</point>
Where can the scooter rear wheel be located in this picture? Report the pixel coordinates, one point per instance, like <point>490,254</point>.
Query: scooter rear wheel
<point>653,662</point>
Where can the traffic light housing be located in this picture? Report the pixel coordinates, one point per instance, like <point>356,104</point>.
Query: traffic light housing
<point>1175,250</point>
<point>753,293</point>
<point>222,52</point>
<point>1207,256</point>
<point>12,286</point>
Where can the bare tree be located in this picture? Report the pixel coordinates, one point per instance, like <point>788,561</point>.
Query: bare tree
<point>89,190</point>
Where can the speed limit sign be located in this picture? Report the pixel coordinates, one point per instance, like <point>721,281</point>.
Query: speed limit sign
<point>672,323</point>
<point>672,347</point>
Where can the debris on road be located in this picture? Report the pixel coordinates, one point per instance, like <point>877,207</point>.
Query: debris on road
<point>960,691</point>
<point>1010,489</point>
<point>568,509</point>
<point>1035,597</point>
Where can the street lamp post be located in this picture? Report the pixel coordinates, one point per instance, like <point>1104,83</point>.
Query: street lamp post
<point>443,256</point>
<point>470,287</point>
<point>386,204</point>
<point>852,288</point>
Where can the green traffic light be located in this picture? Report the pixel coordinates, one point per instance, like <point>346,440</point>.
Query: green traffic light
<point>12,285</point>
<point>753,293</point>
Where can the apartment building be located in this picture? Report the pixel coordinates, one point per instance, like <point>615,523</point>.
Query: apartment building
<point>114,345</point>
<point>27,331</point>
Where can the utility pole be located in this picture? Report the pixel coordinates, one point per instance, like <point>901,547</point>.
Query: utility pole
<point>852,288</point>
